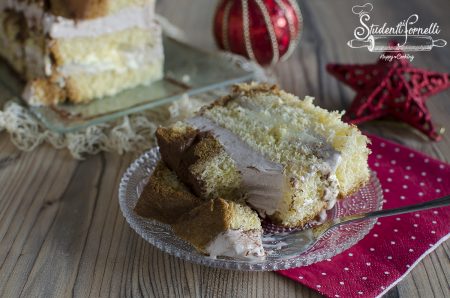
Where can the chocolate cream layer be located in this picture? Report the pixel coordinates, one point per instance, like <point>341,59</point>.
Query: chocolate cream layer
<point>263,181</point>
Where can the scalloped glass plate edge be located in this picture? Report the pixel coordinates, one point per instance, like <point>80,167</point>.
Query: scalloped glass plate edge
<point>160,235</point>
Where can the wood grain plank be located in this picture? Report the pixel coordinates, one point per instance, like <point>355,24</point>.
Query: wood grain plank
<point>55,267</point>
<point>29,213</point>
<point>101,230</point>
<point>61,230</point>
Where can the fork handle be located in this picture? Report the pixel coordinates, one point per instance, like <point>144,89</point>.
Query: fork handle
<point>444,201</point>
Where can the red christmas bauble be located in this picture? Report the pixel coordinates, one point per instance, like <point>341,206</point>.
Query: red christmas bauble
<point>265,31</point>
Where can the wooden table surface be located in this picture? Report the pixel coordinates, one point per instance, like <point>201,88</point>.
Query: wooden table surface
<point>61,230</point>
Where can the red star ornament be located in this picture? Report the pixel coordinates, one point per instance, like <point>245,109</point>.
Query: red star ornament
<point>391,89</point>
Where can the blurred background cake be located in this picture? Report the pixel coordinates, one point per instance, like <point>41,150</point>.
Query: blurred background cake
<point>76,51</point>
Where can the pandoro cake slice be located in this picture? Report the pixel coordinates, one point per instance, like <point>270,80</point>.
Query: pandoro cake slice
<point>285,157</point>
<point>222,228</point>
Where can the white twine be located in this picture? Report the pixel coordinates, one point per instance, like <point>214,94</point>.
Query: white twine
<point>133,133</point>
<point>25,131</point>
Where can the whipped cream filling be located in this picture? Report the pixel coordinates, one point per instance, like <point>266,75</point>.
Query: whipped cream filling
<point>262,179</point>
<point>237,244</point>
<point>329,160</point>
<point>321,218</point>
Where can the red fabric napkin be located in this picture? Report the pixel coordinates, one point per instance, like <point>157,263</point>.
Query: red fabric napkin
<point>397,243</point>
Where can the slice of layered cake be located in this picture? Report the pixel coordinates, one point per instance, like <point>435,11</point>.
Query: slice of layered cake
<point>80,50</point>
<point>284,157</point>
<point>222,228</point>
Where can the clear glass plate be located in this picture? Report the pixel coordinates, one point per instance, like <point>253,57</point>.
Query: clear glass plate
<point>187,70</point>
<point>368,198</point>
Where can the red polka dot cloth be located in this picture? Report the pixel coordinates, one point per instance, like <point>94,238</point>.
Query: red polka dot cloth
<point>395,244</point>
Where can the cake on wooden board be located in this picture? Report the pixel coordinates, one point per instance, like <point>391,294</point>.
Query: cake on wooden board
<point>80,50</point>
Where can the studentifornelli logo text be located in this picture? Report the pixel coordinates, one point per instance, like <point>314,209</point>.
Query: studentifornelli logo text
<point>407,36</point>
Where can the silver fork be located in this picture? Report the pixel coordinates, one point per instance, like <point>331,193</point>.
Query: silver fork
<point>288,244</point>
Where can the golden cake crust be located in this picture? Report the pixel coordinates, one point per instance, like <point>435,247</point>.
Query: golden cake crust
<point>47,92</point>
<point>164,198</point>
<point>242,89</point>
<point>90,9</point>
<point>79,9</point>
<point>180,151</point>
<point>203,223</point>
